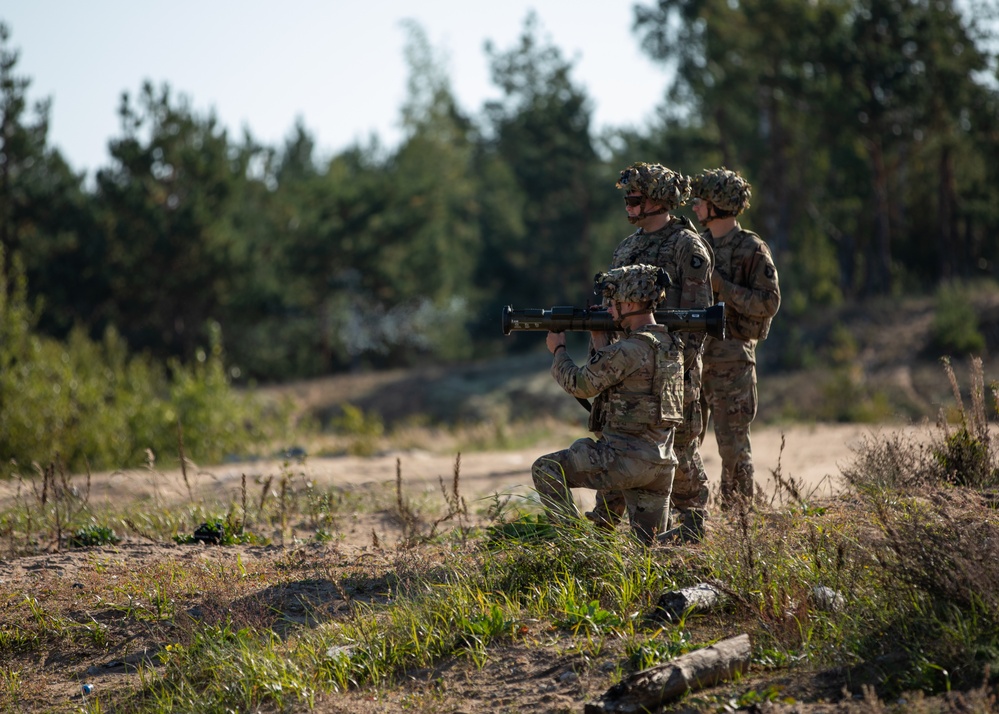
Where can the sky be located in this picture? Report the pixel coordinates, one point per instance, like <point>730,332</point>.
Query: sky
<point>338,65</point>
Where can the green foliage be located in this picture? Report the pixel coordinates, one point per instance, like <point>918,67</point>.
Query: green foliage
<point>526,528</point>
<point>543,139</point>
<point>225,669</point>
<point>955,322</point>
<point>215,420</point>
<point>220,531</point>
<point>848,398</point>
<point>90,405</point>
<point>935,548</point>
<point>661,646</point>
<point>173,181</point>
<point>366,429</point>
<point>966,460</point>
<point>93,534</point>
<point>752,698</point>
<point>478,629</point>
<point>842,348</point>
<point>587,616</point>
<point>820,125</point>
<point>967,457</point>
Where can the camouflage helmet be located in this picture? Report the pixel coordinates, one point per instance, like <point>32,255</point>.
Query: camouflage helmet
<point>727,190</point>
<point>633,283</point>
<point>657,183</point>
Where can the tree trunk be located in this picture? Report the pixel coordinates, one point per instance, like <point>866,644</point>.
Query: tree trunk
<point>651,688</point>
<point>949,251</point>
<point>879,267</point>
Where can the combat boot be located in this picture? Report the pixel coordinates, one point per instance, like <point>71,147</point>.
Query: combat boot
<point>600,521</point>
<point>688,528</point>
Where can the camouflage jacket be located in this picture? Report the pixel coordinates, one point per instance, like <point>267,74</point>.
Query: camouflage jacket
<point>623,371</point>
<point>749,290</point>
<point>682,253</point>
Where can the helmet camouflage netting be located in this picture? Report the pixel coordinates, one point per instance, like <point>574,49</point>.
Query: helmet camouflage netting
<point>633,283</point>
<point>657,183</point>
<point>726,189</point>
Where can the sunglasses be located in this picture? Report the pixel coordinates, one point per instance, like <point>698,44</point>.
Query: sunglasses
<point>634,200</point>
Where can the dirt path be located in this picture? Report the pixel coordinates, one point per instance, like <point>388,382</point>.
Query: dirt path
<point>812,455</point>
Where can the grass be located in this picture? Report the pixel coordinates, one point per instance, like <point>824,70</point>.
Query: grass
<point>893,586</point>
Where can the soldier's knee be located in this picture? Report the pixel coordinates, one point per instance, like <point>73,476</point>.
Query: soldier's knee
<point>547,473</point>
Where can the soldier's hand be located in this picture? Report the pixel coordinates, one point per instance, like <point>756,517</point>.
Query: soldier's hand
<point>555,340</point>
<point>599,339</point>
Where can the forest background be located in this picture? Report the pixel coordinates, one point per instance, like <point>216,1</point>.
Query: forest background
<point>868,129</point>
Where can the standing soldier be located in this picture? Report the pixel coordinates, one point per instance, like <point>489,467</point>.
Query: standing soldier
<point>745,279</point>
<point>638,385</point>
<point>669,242</point>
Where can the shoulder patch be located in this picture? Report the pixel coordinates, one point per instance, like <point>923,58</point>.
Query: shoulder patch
<point>769,271</point>
<point>597,356</point>
<point>696,261</point>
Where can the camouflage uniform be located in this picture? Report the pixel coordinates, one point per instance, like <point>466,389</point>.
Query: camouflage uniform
<point>751,294</point>
<point>678,249</point>
<point>638,385</point>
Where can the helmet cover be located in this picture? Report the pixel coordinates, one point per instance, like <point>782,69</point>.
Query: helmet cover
<point>727,190</point>
<point>657,183</point>
<point>633,283</point>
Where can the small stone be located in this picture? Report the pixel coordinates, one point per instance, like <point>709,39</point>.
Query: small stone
<point>826,598</point>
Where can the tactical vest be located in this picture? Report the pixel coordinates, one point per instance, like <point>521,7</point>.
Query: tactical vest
<point>658,248</point>
<point>634,412</point>
<point>737,325</point>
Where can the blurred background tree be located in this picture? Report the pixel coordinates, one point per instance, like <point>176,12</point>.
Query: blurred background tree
<point>867,128</point>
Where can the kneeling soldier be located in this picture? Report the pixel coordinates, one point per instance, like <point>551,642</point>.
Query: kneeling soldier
<point>638,385</point>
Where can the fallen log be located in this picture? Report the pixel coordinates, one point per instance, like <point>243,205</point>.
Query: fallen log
<point>674,604</point>
<point>651,688</point>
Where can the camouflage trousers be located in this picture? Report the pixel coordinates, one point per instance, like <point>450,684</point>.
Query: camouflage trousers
<point>729,389</point>
<point>690,484</point>
<point>645,486</point>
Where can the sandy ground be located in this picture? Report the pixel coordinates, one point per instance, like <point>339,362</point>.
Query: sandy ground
<point>813,455</point>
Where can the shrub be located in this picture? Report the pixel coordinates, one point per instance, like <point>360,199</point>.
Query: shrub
<point>955,326</point>
<point>365,429</point>
<point>92,535</point>
<point>937,550</point>
<point>220,531</point>
<point>964,460</point>
<point>847,398</point>
<point>966,456</point>
<point>90,404</point>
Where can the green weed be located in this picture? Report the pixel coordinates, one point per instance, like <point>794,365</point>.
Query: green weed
<point>660,646</point>
<point>92,535</point>
<point>218,531</point>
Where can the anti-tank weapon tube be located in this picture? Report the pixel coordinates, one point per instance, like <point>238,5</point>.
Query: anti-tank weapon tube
<point>566,318</point>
